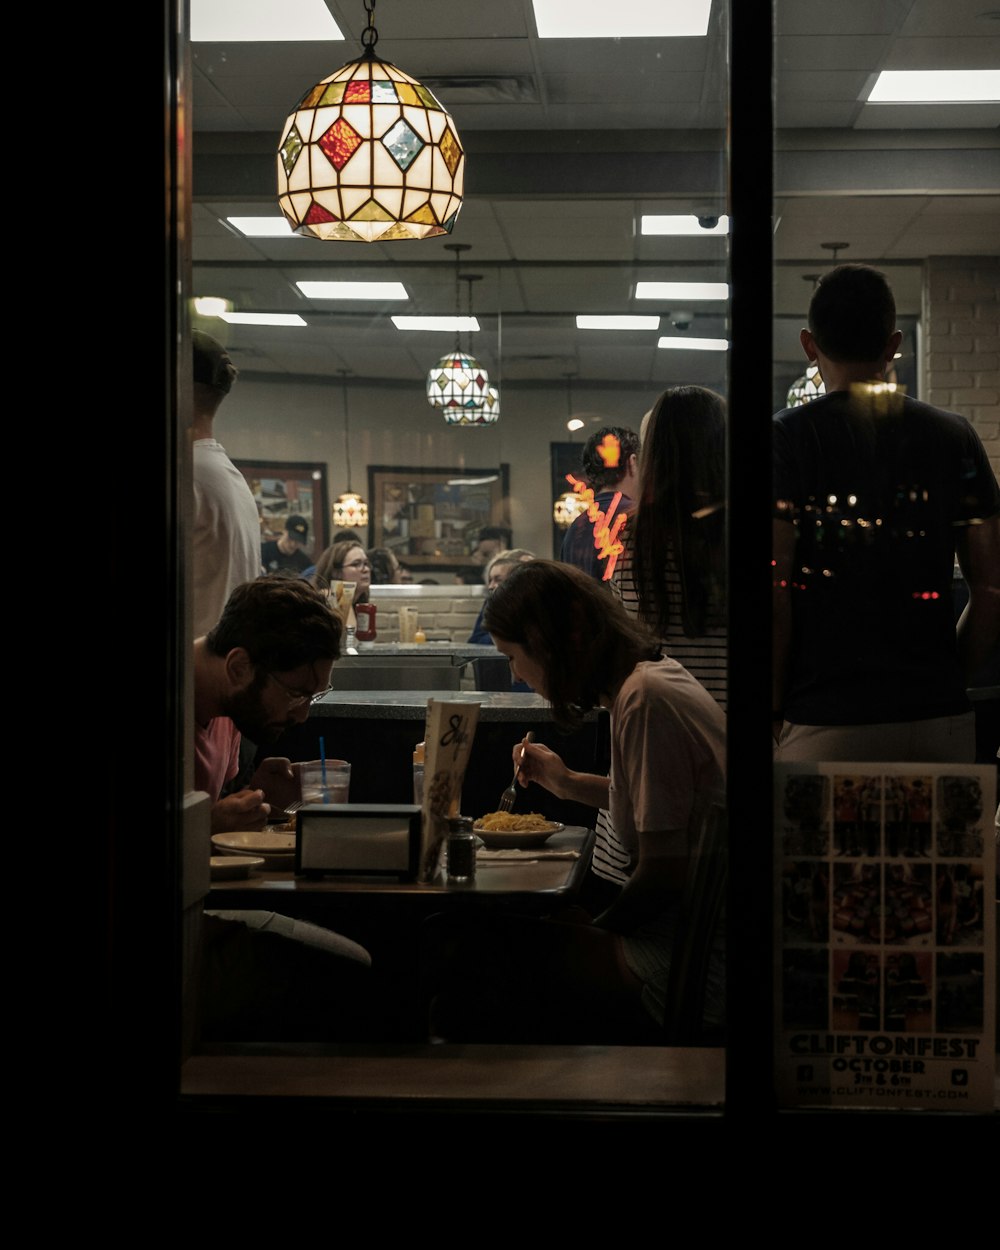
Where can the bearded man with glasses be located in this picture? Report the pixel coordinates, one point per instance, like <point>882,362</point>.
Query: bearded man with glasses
<point>256,673</point>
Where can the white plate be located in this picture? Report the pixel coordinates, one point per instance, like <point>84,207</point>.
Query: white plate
<point>516,839</point>
<point>260,842</point>
<point>230,867</point>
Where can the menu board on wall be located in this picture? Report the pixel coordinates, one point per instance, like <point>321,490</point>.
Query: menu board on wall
<point>885,935</point>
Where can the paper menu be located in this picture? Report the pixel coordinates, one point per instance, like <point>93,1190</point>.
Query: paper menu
<point>448,735</point>
<point>885,937</point>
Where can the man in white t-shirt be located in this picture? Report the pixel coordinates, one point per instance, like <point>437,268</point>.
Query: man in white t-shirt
<point>226,536</point>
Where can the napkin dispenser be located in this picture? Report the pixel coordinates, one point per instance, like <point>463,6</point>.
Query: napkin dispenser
<point>358,840</point>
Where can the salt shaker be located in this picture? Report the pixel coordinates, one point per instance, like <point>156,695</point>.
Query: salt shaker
<point>461,849</point>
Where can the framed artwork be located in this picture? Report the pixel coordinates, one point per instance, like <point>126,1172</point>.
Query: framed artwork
<point>283,488</point>
<point>431,517</point>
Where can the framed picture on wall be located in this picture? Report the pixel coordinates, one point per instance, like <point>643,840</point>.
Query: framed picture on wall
<point>431,517</point>
<point>283,488</point>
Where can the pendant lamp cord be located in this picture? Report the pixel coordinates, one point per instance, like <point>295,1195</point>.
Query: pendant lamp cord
<point>458,302</point>
<point>347,440</point>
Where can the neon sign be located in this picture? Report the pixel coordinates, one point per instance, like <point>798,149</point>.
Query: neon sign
<point>610,451</point>
<point>607,526</point>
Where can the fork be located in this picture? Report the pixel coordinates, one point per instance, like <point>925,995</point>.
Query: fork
<point>510,794</point>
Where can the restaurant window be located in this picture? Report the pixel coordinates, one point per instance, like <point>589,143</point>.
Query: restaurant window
<point>553,221</point>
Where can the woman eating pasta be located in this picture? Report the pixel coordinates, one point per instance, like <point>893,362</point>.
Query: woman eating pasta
<point>602,981</point>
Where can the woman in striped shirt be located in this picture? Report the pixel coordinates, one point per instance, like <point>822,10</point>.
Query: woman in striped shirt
<point>671,574</point>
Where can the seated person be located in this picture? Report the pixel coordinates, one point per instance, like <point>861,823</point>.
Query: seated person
<point>255,673</point>
<point>345,561</point>
<point>496,570</point>
<point>601,980</point>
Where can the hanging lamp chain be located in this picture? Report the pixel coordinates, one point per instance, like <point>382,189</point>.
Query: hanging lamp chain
<point>369,36</point>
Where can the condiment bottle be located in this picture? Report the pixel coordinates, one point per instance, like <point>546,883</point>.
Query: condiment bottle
<point>418,774</point>
<point>365,613</point>
<point>461,849</point>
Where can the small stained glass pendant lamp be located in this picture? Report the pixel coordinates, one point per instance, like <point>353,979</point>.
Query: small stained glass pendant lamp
<point>567,508</point>
<point>369,154</point>
<point>350,511</point>
<point>458,384</point>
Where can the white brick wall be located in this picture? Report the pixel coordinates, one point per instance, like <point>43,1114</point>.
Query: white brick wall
<point>961,320</point>
<point>444,612</point>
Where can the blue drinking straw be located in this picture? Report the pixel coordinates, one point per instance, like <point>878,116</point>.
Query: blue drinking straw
<point>322,764</point>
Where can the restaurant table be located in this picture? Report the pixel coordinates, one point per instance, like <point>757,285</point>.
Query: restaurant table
<point>535,880</point>
<point>385,915</point>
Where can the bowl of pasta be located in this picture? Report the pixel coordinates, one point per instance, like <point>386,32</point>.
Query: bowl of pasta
<point>502,831</point>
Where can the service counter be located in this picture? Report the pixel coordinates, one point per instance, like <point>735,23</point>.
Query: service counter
<point>420,666</point>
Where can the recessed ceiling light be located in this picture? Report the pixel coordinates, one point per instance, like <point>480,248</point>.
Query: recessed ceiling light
<point>683,223</point>
<point>574,423</point>
<point>262,319</point>
<point>936,86</point>
<point>681,290</point>
<point>455,324</point>
<point>353,290</point>
<point>681,342</point>
<point>254,21</point>
<point>643,19</point>
<point>617,323</point>
<point>262,227</point>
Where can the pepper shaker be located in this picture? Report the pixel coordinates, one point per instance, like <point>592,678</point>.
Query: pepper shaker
<point>461,849</point>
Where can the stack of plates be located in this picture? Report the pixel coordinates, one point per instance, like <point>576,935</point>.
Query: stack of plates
<point>276,849</point>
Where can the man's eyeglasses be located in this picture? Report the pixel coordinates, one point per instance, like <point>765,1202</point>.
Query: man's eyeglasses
<point>357,564</point>
<point>297,697</point>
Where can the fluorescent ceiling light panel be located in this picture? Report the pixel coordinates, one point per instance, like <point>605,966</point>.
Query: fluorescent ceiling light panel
<point>262,227</point>
<point>680,223</point>
<point>353,290</point>
<point>617,323</point>
<point>211,305</point>
<point>681,342</point>
<point>936,86</point>
<point>454,324</point>
<point>682,290</point>
<point>256,21</point>
<point>472,481</point>
<point>639,19</point>
<point>262,319</point>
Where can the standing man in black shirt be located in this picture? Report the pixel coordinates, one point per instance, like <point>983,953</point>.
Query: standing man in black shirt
<point>875,496</point>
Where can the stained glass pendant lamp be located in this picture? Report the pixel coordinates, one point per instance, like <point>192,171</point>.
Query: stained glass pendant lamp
<point>369,154</point>
<point>809,386</point>
<point>570,503</point>
<point>458,384</point>
<point>350,511</point>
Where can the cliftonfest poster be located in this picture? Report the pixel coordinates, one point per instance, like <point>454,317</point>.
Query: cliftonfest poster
<point>885,935</point>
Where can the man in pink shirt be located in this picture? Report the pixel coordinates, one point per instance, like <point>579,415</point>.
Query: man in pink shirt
<point>256,673</point>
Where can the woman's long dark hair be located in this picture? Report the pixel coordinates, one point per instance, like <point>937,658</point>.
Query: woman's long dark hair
<point>682,492</point>
<point>582,636</point>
